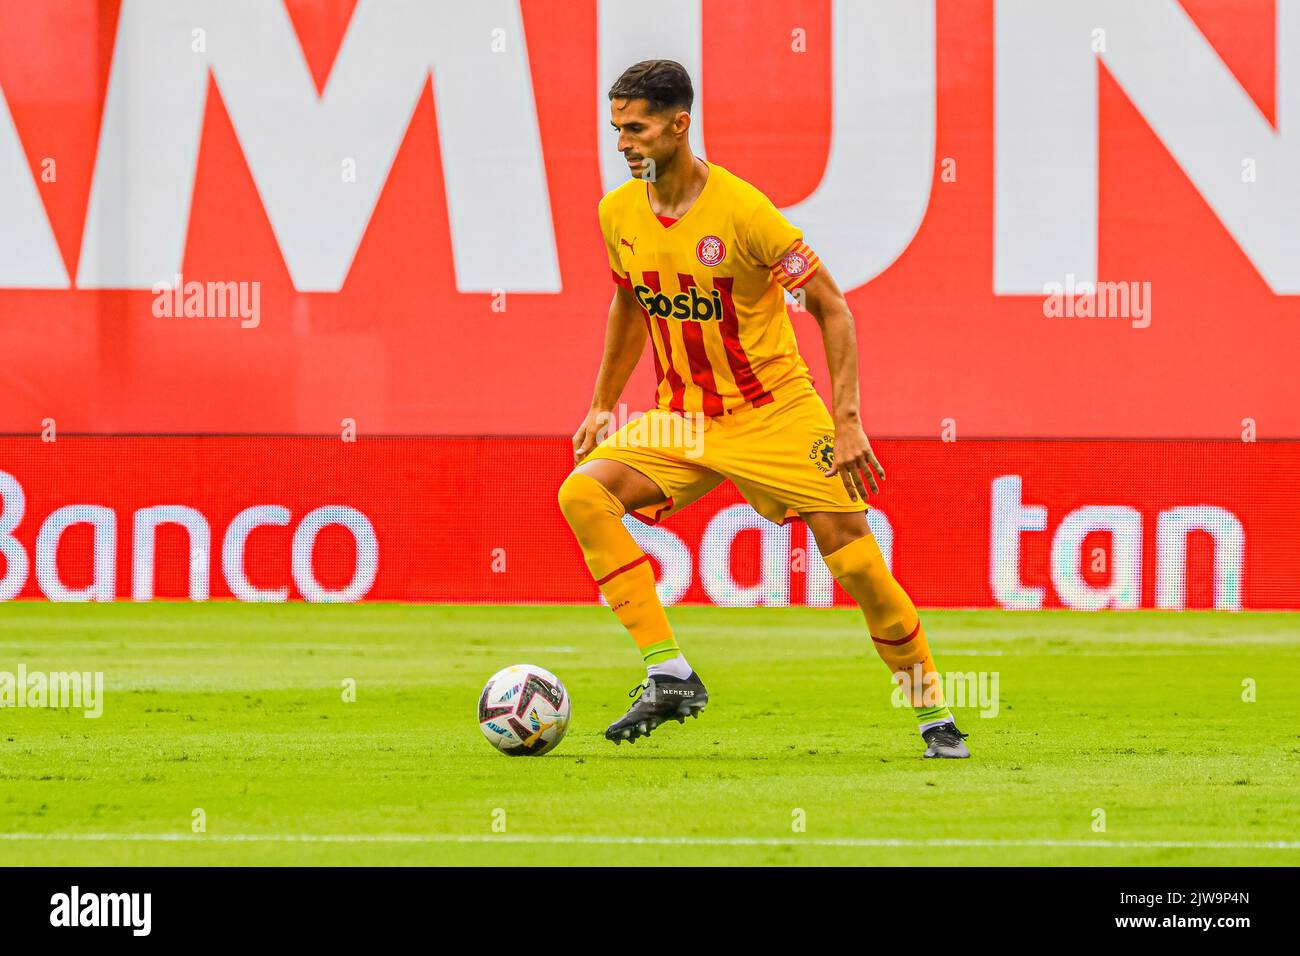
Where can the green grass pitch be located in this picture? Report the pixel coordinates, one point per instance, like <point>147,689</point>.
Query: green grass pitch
<point>238,710</point>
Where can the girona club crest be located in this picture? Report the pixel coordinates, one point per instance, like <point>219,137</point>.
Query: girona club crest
<point>711,250</point>
<point>794,264</point>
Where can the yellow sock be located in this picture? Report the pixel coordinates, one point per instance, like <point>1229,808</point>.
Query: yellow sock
<point>894,625</point>
<point>621,569</point>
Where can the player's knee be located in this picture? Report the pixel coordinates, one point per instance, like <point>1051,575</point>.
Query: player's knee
<point>881,585</point>
<point>888,608</point>
<point>584,499</point>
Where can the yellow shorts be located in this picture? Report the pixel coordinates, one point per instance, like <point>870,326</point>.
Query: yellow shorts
<point>775,454</point>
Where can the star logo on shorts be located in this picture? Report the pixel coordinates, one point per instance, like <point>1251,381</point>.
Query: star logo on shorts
<point>823,451</point>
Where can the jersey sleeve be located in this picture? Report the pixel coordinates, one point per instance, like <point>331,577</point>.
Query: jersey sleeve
<point>775,243</point>
<point>611,247</point>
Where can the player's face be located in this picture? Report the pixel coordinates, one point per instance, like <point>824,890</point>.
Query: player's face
<point>645,135</point>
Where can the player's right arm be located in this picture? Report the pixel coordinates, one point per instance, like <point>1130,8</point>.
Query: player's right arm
<point>625,335</point>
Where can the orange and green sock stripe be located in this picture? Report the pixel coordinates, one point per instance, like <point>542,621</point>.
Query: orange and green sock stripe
<point>894,625</point>
<point>630,591</point>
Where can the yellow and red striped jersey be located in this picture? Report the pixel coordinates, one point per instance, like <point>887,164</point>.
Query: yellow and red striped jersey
<point>709,286</point>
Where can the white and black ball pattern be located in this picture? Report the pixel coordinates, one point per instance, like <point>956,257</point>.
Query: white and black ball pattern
<point>524,711</point>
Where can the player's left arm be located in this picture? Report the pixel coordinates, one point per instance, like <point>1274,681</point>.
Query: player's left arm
<point>853,455</point>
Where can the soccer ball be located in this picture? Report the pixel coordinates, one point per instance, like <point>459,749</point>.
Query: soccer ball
<point>524,711</point>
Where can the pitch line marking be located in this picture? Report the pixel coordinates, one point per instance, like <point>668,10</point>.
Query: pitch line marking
<point>850,842</point>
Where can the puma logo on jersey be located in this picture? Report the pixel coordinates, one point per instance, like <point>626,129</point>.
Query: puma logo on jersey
<point>624,242</point>
<point>694,306</point>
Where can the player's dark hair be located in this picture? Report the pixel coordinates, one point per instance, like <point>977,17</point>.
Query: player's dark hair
<point>665,83</point>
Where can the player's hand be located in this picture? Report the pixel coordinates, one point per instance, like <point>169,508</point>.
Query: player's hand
<point>853,459</point>
<point>590,433</point>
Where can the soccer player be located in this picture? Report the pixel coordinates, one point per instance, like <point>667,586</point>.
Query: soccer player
<point>699,260</point>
